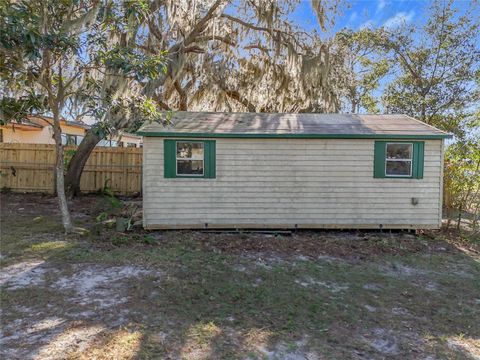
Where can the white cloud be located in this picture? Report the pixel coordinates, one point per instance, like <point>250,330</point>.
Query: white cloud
<point>381,5</point>
<point>399,18</point>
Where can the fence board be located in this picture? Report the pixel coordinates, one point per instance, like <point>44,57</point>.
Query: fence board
<point>29,168</point>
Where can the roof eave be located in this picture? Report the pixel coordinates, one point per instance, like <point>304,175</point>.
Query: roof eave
<point>296,136</point>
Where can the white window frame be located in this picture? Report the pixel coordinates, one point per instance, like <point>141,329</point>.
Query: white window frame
<point>387,159</point>
<point>189,159</point>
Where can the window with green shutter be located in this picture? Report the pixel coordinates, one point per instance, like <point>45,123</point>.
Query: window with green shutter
<point>189,159</point>
<point>399,159</point>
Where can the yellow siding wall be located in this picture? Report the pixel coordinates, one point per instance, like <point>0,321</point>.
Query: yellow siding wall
<point>40,136</point>
<point>309,183</point>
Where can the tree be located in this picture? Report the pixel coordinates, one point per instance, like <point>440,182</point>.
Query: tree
<point>365,68</point>
<point>55,52</point>
<point>234,56</point>
<point>462,171</point>
<point>436,66</point>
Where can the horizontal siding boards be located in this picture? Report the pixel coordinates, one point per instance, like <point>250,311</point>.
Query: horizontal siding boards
<point>287,182</point>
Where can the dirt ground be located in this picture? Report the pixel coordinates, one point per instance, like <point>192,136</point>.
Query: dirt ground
<point>205,295</point>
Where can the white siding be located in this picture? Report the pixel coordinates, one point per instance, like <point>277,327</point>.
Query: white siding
<point>309,183</point>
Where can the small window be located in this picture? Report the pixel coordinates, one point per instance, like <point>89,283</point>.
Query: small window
<point>68,139</point>
<point>190,158</point>
<point>399,159</point>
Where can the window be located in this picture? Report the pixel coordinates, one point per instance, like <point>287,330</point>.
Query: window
<point>68,139</point>
<point>79,139</point>
<point>108,143</point>
<point>400,159</point>
<point>189,158</point>
<point>1,136</point>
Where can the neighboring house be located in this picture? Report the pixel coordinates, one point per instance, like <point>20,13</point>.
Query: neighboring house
<point>38,130</point>
<point>247,170</point>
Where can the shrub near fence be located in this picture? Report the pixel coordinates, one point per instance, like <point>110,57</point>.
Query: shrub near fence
<point>29,168</point>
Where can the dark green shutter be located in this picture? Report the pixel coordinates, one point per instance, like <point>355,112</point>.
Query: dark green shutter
<point>210,155</point>
<point>418,159</point>
<point>169,158</point>
<point>379,160</point>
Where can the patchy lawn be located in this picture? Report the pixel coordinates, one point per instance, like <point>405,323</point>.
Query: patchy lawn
<point>194,295</point>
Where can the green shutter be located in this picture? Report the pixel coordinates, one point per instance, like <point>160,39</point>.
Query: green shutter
<point>169,158</point>
<point>418,159</point>
<point>210,155</point>
<point>379,160</point>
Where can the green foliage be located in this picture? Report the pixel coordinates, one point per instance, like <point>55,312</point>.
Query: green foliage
<point>81,54</point>
<point>462,185</point>
<point>112,200</point>
<point>365,68</point>
<point>437,65</point>
<point>67,157</point>
<point>131,62</point>
<point>19,108</point>
<point>120,240</point>
<point>149,240</point>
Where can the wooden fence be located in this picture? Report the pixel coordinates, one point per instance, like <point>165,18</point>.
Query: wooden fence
<point>29,168</point>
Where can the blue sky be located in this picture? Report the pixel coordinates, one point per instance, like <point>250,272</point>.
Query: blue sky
<point>373,13</point>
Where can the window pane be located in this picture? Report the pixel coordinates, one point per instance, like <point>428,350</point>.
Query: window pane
<point>190,150</point>
<point>71,140</point>
<point>398,168</point>
<point>399,151</point>
<point>190,167</point>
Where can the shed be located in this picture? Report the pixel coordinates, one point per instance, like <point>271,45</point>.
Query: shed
<point>251,170</point>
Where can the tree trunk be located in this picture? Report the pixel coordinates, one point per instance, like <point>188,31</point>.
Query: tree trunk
<point>59,170</point>
<point>78,161</point>
<point>354,107</point>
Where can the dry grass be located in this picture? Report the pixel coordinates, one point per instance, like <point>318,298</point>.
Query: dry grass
<point>195,295</point>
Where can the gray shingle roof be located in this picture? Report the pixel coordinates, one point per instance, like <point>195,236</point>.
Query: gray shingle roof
<point>209,124</point>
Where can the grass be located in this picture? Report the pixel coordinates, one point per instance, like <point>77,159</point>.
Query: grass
<point>215,301</point>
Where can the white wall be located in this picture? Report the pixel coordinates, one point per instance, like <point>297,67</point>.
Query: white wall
<point>287,182</point>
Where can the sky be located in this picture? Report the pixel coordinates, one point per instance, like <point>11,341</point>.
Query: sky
<point>370,13</point>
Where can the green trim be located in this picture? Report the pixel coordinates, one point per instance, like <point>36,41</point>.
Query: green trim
<point>210,156</point>
<point>169,165</point>
<point>418,160</point>
<point>170,159</point>
<point>295,136</point>
<point>380,160</point>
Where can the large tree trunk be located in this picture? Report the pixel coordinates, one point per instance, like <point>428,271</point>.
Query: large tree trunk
<point>78,161</point>
<point>59,170</point>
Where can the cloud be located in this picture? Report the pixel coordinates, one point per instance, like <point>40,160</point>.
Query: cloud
<point>381,5</point>
<point>399,18</point>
